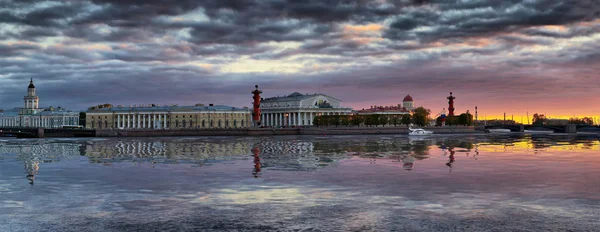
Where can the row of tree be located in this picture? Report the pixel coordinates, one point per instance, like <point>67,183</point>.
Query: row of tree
<point>541,119</point>
<point>419,116</point>
<point>582,121</point>
<point>464,119</point>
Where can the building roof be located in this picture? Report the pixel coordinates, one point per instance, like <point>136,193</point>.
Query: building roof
<point>295,96</point>
<point>31,86</point>
<point>383,109</point>
<point>15,112</point>
<point>408,98</point>
<point>57,112</point>
<point>169,108</point>
<point>10,112</point>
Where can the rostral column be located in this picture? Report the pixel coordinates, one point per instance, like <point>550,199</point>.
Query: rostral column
<point>451,105</point>
<point>256,111</point>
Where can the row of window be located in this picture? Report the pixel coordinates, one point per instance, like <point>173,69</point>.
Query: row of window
<point>183,116</point>
<point>178,124</point>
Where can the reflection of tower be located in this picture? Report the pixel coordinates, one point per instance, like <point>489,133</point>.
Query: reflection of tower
<point>450,158</point>
<point>256,152</point>
<point>476,113</point>
<point>256,104</point>
<point>451,105</point>
<point>31,168</point>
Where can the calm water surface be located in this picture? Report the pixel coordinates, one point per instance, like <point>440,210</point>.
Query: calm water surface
<point>301,183</point>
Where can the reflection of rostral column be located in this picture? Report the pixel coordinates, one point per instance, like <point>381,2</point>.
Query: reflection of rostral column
<point>256,152</point>
<point>256,112</point>
<point>451,105</point>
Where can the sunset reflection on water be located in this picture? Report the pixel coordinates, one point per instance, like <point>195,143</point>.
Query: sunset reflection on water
<point>341,182</point>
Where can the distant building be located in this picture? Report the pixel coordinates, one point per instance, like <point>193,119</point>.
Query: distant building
<point>405,108</point>
<point>162,117</point>
<point>299,109</point>
<point>33,116</point>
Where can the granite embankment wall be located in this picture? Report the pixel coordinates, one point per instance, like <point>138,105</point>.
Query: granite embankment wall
<point>279,131</point>
<point>381,130</point>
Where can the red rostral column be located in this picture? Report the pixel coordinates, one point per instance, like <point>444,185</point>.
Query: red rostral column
<point>256,112</point>
<point>451,105</point>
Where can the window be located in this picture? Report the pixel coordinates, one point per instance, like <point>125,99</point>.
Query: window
<point>99,124</point>
<point>106,124</point>
<point>176,123</point>
<point>219,125</point>
<point>203,123</point>
<point>242,123</point>
<point>234,123</point>
<point>183,123</point>
<point>226,123</point>
<point>191,123</point>
<point>211,123</point>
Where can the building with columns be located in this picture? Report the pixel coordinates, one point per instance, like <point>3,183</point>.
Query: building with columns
<point>299,109</point>
<point>33,116</point>
<point>167,117</point>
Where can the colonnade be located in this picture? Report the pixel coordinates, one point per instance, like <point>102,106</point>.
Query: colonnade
<point>155,121</point>
<point>9,122</point>
<point>292,118</point>
<point>36,121</point>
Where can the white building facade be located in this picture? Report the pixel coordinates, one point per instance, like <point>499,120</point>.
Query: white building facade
<point>33,116</point>
<point>299,109</point>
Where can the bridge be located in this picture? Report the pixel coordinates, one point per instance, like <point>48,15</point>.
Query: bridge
<point>34,132</point>
<point>570,128</point>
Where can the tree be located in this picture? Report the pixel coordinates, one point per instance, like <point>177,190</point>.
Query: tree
<point>318,121</point>
<point>539,119</point>
<point>582,121</point>
<point>465,119</point>
<point>394,119</point>
<point>357,120</point>
<point>406,119</point>
<point>383,120</point>
<point>345,121</point>
<point>421,116</point>
<point>371,120</point>
<point>334,120</point>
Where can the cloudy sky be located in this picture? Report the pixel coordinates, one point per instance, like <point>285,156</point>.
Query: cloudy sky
<point>512,56</point>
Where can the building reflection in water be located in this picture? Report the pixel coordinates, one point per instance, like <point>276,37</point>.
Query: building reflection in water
<point>281,153</point>
<point>256,153</point>
<point>34,153</point>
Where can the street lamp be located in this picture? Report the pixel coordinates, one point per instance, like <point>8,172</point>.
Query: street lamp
<point>286,120</point>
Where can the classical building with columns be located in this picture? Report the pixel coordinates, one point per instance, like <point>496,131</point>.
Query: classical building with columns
<point>33,116</point>
<point>167,117</point>
<point>299,109</point>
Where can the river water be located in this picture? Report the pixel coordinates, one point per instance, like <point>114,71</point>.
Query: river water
<point>301,183</point>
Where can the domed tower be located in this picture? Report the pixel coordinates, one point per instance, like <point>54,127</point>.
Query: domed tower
<point>31,100</point>
<point>408,102</point>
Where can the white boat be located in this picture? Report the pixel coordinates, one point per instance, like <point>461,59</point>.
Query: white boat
<point>538,131</point>
<point>498,131</point>
<point>419,132</point>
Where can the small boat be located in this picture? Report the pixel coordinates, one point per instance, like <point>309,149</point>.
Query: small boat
<point>538,131</point>
<point>419,132</point>
<point>498,131</point>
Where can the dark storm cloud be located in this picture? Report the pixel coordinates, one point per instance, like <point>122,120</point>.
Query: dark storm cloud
<point>479,18</point>
<point>52,16</point>
<point>16,49</point>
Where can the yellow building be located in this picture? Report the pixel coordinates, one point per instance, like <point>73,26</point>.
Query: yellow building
<point>167,117</point>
